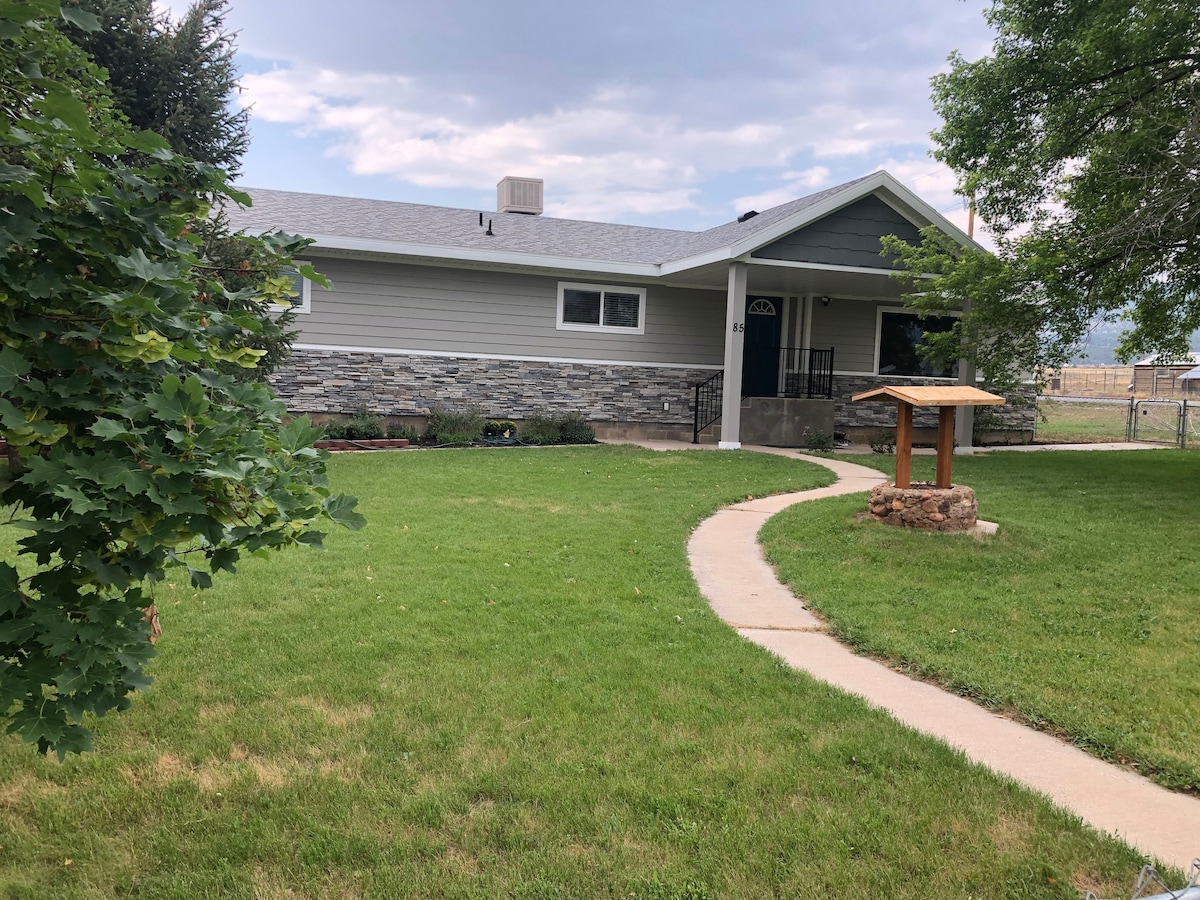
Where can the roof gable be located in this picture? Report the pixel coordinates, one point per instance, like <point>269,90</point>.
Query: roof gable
<point>849,236</point>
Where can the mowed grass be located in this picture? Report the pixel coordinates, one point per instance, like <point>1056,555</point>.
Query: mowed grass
<point>508,685</point>
<point>1082,615</point>
<point>1082,422</point>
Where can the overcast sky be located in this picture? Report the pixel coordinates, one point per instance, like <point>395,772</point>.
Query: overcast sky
<point>656,112</point>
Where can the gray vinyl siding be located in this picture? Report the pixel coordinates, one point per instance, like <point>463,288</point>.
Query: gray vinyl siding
<point>388,306</point>
<point>848,237</point>
<point>849,327</point>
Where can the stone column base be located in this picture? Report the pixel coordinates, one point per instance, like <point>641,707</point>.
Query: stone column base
<point>924,506</point>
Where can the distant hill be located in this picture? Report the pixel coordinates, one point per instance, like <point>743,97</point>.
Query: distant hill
<point>1102,344</point>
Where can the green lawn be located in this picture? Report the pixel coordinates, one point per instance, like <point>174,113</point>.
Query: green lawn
<point>508,685</point>
<point>1081,422</point>
<point>1082,614</point>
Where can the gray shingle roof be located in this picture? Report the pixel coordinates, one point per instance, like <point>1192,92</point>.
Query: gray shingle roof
<point>438,226</point>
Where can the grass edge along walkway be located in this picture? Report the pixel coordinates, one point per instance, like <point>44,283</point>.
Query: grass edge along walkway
<point>744,592</point>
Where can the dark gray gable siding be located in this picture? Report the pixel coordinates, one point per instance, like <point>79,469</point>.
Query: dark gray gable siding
<point>848,237</point>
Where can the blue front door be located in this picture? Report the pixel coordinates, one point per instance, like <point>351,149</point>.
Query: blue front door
<point>760,362</point>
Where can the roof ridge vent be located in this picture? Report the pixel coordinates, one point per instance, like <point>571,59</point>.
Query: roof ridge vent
<point>519,195</point>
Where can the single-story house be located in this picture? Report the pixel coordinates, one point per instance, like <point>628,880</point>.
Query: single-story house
<point>746,332</point>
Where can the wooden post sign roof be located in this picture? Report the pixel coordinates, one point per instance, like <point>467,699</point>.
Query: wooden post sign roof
<point>944,396</point>
<point>935,395</point>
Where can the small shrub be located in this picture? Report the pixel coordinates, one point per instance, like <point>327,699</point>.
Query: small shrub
<point>404,433</point>
<point>334,430</point>
<point>574,429</point>
<point>541,430</point>
<point>882,441</point>
<point>816,439</point>
<point>364,427</point>
<point>499,428</point>
<point>456,438</point>
<point>448,424</point>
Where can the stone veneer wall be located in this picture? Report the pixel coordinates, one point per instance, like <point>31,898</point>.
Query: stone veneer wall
<point>335,381</point>
<point>849,414</point>
<point>332,381</point>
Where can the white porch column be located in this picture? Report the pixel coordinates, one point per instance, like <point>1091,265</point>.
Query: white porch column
<point>735,341</point>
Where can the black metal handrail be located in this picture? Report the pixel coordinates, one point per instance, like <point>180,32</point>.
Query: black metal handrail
<point>807,372</point>
<point>707,408</point>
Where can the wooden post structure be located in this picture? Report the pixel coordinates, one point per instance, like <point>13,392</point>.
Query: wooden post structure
<point>946,398</point>
<point>904,417</point>
<point>945,445</point>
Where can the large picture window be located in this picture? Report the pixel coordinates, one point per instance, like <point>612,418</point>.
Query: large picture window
<point>901,335</point>
<point>594,307</point>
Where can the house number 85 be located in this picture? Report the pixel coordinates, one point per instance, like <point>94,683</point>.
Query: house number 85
<point>738,326</point>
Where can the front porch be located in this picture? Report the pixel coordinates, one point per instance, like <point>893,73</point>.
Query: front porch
<point>800,339</point>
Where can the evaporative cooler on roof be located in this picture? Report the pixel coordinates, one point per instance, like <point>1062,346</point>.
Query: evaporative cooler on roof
<point>519,195</point>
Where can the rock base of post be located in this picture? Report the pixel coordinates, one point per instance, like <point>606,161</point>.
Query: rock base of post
<point>924,506</point>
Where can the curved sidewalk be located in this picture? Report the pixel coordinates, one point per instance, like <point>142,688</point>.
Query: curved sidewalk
<point>742,589</point>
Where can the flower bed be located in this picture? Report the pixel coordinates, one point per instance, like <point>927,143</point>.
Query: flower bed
<point>366,444</point>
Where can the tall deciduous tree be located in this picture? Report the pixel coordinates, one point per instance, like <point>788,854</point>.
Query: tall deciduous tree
<point>1079,139</point>
<point>130,452</point>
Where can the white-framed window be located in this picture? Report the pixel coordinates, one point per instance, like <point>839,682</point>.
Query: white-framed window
<point>601,307</point>
<point>302,302</point>
<point>899,334</point>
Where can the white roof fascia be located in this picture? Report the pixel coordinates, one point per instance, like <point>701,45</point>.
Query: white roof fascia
<point>434,251</point>
<point>928,212</point>
<point>721,254</point>
<point>878,180</point>
<point>824,267</point>
<point>752,242</point>
<point>828,267</point>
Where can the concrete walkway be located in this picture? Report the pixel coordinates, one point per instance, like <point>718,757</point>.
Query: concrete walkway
<point>728,563</point>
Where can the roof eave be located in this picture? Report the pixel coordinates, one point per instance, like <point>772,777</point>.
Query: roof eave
<point>472,255</point>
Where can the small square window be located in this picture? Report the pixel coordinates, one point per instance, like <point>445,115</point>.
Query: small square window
<point>588,307</point>
<point>581,307</point>
<point>621,310</point>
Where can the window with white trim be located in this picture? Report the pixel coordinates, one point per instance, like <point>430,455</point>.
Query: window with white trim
<point>598,307</point>
<point>302,302</point>
<point>900,337</point>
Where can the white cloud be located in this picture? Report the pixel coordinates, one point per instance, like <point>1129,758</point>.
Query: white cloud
<point>608,207</point>
<point>614,152</point>
<point>796,184</point>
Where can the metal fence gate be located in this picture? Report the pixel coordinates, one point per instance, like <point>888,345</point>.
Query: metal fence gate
<point>1161,422</point>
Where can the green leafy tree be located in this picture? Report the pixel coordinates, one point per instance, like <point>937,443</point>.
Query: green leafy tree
<point>178,79</point>
<point>130,451</point>
<point>1079,139</point>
